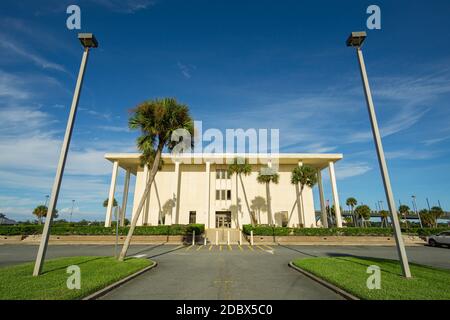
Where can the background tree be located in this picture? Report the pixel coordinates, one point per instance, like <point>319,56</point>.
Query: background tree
<point>41,211</point>
<point>352,202</point>
<point>427,218</point>
<point>384,214</point>
<point>436,213</point>
<point>157,120</point>
<point>303,176</point>
<point>363,213</point>
<point>403,210</point>
<point>267,176</point>
<point>241,167</point>
<point>105,203</point>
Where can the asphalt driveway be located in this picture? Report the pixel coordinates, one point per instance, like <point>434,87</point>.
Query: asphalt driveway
<point>224,272</point>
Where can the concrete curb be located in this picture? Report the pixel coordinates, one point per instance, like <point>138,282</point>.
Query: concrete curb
<point>102,292</point>
<point>338,290</point>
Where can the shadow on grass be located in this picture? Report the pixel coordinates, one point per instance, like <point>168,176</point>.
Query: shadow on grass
<point>69,264</point>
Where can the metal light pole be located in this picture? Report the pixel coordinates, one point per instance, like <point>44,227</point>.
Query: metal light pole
<point>355,40</point>
<point>88,41</point>
<point>71,211</point>
<point>417,211</point>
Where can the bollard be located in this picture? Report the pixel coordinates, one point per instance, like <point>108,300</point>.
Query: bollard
<point>251,237</point>
<point>193,237</point>
<point>204,241</point>
<point>228,237</point>
<point>240,237</point>
<point>217,237</point>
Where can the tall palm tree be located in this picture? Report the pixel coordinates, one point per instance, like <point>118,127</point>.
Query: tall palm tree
<point>242,167</point>
<point>303,176</point>
<point>352,202</point>
<point>157,120</point>
<point>267,176</point>
<point>363,213</point>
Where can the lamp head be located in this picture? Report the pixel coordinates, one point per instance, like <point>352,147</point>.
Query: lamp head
<point>356,39</point>
<point>88,40</point>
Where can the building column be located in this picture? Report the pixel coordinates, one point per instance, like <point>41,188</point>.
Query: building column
<point>300,207</point>
<point>337,208</point>
<point>125,198</point>
<point>147,201</point>
<point>322,199</point>
<point>112,189</point>
<point>176,207</point>
<point>208,195</point>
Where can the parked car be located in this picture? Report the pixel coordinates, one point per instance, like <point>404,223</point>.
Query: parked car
<point>442,238</point>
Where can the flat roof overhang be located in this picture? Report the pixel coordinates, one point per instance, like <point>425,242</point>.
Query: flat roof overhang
<point>131,161</point>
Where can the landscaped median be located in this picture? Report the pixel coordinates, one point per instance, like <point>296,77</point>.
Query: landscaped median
<point>351,274</point>
<point>96,273</point>
<point>336,236</point>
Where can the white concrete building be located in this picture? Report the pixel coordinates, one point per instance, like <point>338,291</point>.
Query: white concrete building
<point>197,189</point>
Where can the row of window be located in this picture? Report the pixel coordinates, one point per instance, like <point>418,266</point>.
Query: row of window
<point>223,194</point>
<point>222,174</point>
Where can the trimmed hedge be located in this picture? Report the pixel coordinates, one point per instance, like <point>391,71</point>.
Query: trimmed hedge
<point>351,231</point>
<point>98,230</point>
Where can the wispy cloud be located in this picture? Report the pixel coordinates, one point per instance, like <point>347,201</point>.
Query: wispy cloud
<point>114,128</point>
<point>125,6</point>
<point>17,49</point>
<point>186,70</point>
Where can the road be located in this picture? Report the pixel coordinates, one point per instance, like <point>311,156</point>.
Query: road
<point>224,272</point>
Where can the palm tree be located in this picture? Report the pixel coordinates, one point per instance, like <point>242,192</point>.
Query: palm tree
<point>266,176</point>
<point>105,203</point>
<point>403,211</point>
<point>241,167</point>
<point>303,176</point>
<point>157,120</point>
<point>352,202</point>
<point>363,213</point>
<point>41,211</point>
<point>436,212</point>
<point>384,214</point>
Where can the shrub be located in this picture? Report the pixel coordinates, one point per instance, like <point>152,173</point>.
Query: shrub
<point>380,232</point>
<point>66,229</point>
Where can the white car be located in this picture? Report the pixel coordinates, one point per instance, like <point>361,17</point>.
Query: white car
<point>442,238</point>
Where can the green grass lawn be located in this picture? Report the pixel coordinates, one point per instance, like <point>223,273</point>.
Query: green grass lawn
<point>17,282</point>
<point>349,273</point>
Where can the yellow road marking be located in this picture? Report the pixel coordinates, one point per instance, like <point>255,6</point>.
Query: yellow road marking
<point>189,248</point>
<point>260,248</point>
<point>199,248</point>
<point>230,248</point>
<point>270,248</point>
<point>250,248</point>
<point>240,248</point>
<point>220,248</point>
<point>210,247</point>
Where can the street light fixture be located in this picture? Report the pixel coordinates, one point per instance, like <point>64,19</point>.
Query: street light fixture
<point>87,41</point>
<point>355,40</point>
<point>71,211</point>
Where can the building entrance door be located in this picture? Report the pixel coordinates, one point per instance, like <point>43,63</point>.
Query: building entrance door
<point>223,219</point>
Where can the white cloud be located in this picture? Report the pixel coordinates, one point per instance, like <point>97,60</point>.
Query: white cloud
<point>186,70</point>
<point>125,6</point>
<point>348,170</point>
<point>17,49</point>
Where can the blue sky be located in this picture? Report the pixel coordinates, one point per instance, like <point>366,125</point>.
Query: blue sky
<point>237,64</point>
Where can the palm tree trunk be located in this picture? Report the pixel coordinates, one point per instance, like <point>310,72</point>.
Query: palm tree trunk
<point>252,216</point>
<point>156,161</point>
<point>237,203</point>
<point>302,207</point>
<point>269,205</point>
